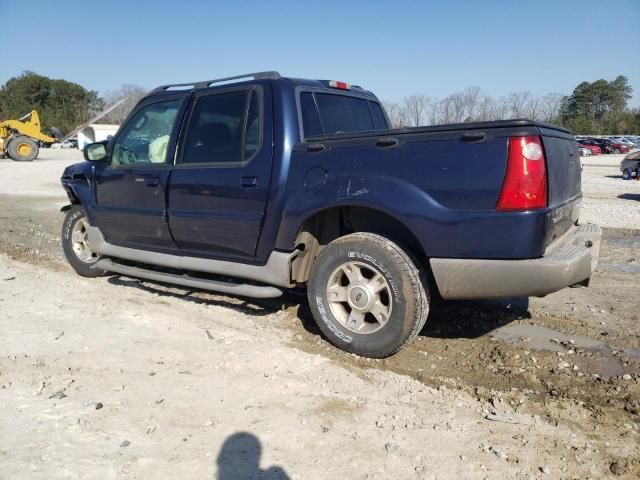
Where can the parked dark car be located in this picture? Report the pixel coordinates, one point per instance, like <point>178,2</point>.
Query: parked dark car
<point>606,145</point>
<point>619,147</point>
<point>255,184</point>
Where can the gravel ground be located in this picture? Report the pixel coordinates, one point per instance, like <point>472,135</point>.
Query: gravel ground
<point>609,200</point>
<point>120,378</point>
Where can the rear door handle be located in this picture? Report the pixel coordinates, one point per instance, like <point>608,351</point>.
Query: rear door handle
<point>249,181</point>
<point>387,142</point>
<point>315,147</point>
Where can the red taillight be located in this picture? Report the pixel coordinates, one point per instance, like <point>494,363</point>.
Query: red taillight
<point>525,183</point>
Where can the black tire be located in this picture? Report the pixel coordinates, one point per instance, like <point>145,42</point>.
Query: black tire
<point>82,267</point>
<point>626,174</point>
<point>22,149</point>
<point>406,282</point>
<point>616,151</point>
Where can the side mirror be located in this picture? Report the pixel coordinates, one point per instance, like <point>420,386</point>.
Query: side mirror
<point>95,152</point>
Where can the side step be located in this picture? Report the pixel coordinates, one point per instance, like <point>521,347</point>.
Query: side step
<point>253,291</point>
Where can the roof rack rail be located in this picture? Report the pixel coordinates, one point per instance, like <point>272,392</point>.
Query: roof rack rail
<point>208,83</point>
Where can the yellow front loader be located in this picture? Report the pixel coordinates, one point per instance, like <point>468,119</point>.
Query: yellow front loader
<point>18,137</point>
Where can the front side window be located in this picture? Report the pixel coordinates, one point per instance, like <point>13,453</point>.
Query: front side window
<point>146,136</point>
<point>224,128</point>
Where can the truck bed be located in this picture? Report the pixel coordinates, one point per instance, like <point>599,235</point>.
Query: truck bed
<point>444,181</point>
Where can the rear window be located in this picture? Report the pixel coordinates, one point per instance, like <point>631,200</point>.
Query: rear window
<point>326,114</point>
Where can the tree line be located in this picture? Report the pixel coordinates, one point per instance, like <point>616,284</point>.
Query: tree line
<point>599,107</point>
<point>63,104</point>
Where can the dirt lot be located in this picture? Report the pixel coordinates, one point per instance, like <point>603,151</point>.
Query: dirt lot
<point>119,378</point>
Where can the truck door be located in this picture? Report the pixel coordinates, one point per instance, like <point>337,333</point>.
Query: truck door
<point>130,192</point>
<point>220,184</point>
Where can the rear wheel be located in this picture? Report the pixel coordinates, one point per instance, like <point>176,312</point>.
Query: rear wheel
<point>75,243</point>
<point>22,149</point>
<point>616,151</point>
<point>626,174</point>
<point>367,295</point>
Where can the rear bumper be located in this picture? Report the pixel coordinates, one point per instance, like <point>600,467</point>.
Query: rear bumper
<point>569,260</point>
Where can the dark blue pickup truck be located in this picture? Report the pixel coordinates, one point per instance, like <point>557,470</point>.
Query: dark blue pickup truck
<point>254,184</point>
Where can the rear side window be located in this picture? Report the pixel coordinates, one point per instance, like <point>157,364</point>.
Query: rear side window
<point>224,128</point>
<point>343,114</point>
<point>379,120</point>
<point>326,114</point>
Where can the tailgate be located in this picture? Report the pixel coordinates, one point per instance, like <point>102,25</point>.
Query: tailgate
<point>564,177</point>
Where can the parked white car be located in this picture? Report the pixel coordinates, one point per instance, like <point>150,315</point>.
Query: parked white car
<point>65,144</point>
<point>584,152</point>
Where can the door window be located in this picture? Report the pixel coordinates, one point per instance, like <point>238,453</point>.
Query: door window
<point>252,136</point>
<point>146,136</point>
<point>224,128</point>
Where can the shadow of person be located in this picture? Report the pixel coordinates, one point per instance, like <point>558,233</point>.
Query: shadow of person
<point>239,459</point>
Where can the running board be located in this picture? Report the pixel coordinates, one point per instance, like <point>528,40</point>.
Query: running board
<point>241,289</point>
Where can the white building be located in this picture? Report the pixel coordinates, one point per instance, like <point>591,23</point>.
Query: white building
<point>95,132</point>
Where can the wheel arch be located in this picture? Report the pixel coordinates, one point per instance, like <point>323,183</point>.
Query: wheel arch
<point>327,224</point>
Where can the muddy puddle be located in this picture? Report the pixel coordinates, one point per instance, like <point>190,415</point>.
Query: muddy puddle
<point>605,361</point>
<point>544,338</point>
<point>621,253</point>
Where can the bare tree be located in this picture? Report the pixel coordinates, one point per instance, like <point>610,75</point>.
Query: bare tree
<point>533,108</point>
<point>132,94</point>
<point>486,109</point>
<point>434,115</point>
<point>394,111</point>
<point>458,107</point>
<point>446,110</point>
<point>472,97</point>
<point>414,109</point>
<point>473,105</point>
<point>550,107</point>
<point>517,103</point>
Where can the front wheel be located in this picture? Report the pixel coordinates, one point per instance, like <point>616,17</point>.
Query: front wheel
<point>367,295</point>
<point>22,149</point>
<point>75,243</point>
<point>616,151</point>
<point>626,174</point>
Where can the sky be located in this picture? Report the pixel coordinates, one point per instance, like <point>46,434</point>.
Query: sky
<point>394,48</point>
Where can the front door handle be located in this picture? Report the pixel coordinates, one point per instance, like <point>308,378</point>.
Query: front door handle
<point>248,181</point>
<point>149,181</point>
